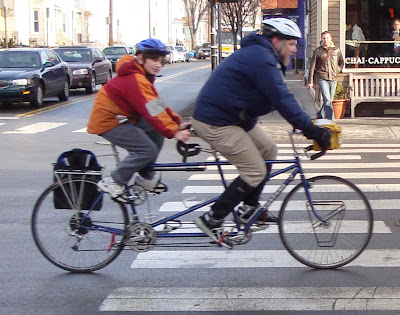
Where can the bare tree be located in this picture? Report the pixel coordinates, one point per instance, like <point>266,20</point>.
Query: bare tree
<point>237,15</point>
<point>195,10</point>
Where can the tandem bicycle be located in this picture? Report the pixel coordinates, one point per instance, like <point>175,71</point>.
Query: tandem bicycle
<point>325,221</point>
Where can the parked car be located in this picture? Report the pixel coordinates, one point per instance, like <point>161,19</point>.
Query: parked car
<point>30,74</point>
<point>89,66</point>
<point>113,53</point>
<point>173,54</point>
<point>204,51</point>
<point>183,53</point>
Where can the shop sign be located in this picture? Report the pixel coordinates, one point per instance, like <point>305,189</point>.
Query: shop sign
<point>372,61</point>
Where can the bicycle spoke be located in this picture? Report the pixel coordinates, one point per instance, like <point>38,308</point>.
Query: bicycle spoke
<point>77,239</point>
<point>335,234</point>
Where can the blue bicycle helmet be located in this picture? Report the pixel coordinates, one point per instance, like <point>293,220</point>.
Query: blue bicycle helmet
<point>151,45</point>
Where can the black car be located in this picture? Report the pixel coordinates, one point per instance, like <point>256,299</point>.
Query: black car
<point>113,53</point>
<point>30,74</point>
<point>89,66</point>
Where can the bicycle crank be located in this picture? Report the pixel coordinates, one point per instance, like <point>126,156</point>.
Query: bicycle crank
<point>142,237</point>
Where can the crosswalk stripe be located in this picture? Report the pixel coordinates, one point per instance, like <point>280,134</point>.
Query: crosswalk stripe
<point>36,128</point>
<point>272,188</point>
<point>9,118</point>
<point>381,204</point>
<point>81,130</point>
<point>352,175</point>
<point>247,299</point>
<point>221,258</point>
<point>1,124</point>
<point>326,166</point>
<point>349,227</point>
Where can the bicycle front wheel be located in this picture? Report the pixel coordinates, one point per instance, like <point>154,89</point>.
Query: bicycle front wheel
<point>71,236</point>
<point>336,233</point>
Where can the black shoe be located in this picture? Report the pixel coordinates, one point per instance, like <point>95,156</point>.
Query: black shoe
<point>246,212</point>
<point>213,228</point>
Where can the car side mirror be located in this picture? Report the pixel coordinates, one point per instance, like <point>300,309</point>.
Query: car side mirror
<point>48,64</point>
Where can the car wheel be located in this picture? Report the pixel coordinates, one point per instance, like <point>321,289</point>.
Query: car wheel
<point>64,95</point>
<point>38,99</point>
<point>90,89</point>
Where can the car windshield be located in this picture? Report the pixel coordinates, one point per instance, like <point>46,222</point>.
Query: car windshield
<point>114,51</point>
<point>74,55</point>
<point>19,59</point>
<point>180,48</point>
<point>206,45</point>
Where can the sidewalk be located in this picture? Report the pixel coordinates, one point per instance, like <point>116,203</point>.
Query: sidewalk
<point>367,128</point>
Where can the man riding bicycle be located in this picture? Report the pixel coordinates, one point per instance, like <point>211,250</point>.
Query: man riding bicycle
<point>246,85</point>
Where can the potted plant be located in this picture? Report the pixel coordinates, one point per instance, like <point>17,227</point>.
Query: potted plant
<point>339,102</point>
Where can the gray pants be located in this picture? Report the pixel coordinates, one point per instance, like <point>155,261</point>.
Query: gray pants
<point>246,150</point>
<point>143,144</point>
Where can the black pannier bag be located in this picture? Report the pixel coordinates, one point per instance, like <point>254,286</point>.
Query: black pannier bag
<point>77,161</point>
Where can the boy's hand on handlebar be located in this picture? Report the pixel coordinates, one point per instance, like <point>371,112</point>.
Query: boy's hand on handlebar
<point>185,125</point>
<point>321,135</point>
<point>182,135</point>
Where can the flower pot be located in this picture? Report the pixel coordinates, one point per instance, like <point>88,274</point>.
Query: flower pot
<point>339,108</point>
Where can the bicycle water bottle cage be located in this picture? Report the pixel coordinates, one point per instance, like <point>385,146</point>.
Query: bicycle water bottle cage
<point>187,149</point>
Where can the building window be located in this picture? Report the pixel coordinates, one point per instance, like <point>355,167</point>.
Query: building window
<point>36,21</point>
<point>372,34</point>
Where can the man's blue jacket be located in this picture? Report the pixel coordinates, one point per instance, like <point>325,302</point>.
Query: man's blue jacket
<point>248,84</point>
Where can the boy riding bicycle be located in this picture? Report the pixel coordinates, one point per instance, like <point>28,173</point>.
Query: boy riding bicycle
<point>128,112</point>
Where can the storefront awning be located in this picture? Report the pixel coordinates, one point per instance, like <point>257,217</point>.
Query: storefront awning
<point>278,4</point>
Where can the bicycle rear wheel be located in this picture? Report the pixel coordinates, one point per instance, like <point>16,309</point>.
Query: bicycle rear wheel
<point>76,239</point>
<point>344,231</point>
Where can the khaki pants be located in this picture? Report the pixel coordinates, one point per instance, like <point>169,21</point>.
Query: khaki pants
<point>246,150</point>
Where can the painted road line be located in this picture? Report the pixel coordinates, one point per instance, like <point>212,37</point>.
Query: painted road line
<point>273,188</point>
<point>234,299</point>
<point>384,204</point>
<point>55,106</point>
<point>36,128</point>
<point>347,227</point>
<point>221,258</point>
<point>367,175</point>
<point>1,124</point>
<point>6,117</point>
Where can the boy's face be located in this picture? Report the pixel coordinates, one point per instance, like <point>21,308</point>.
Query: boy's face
<point>151,66</point>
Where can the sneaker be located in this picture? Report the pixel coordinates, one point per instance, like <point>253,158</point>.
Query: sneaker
<point>108,185</point>
<point>245,213</point>
<point>151,185</point>
<point>213,228</point>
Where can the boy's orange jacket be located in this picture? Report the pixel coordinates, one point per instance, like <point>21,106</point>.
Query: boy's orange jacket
<point>132,94</point>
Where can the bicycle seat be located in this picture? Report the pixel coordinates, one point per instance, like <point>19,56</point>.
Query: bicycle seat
<point>187,149</point>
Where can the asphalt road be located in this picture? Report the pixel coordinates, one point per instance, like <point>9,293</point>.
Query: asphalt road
<point>251,279</point>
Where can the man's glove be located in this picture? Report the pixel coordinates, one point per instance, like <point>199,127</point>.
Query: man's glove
<point>321,135</point>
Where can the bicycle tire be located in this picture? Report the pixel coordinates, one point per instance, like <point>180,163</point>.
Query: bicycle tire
<point>348,227</point>
<point>74,244</point>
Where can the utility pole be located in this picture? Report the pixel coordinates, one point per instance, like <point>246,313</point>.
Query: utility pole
<point>150,19</point>
<point>213,36</point>
<point>4,9</point>
<point>110,25</point>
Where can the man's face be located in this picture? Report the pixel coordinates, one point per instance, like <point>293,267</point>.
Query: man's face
<point>326,39</point>
<point>396,25</point>
<point>285,48</point>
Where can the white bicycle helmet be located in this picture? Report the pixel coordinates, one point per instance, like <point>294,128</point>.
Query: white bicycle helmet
<point>281,27</point>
